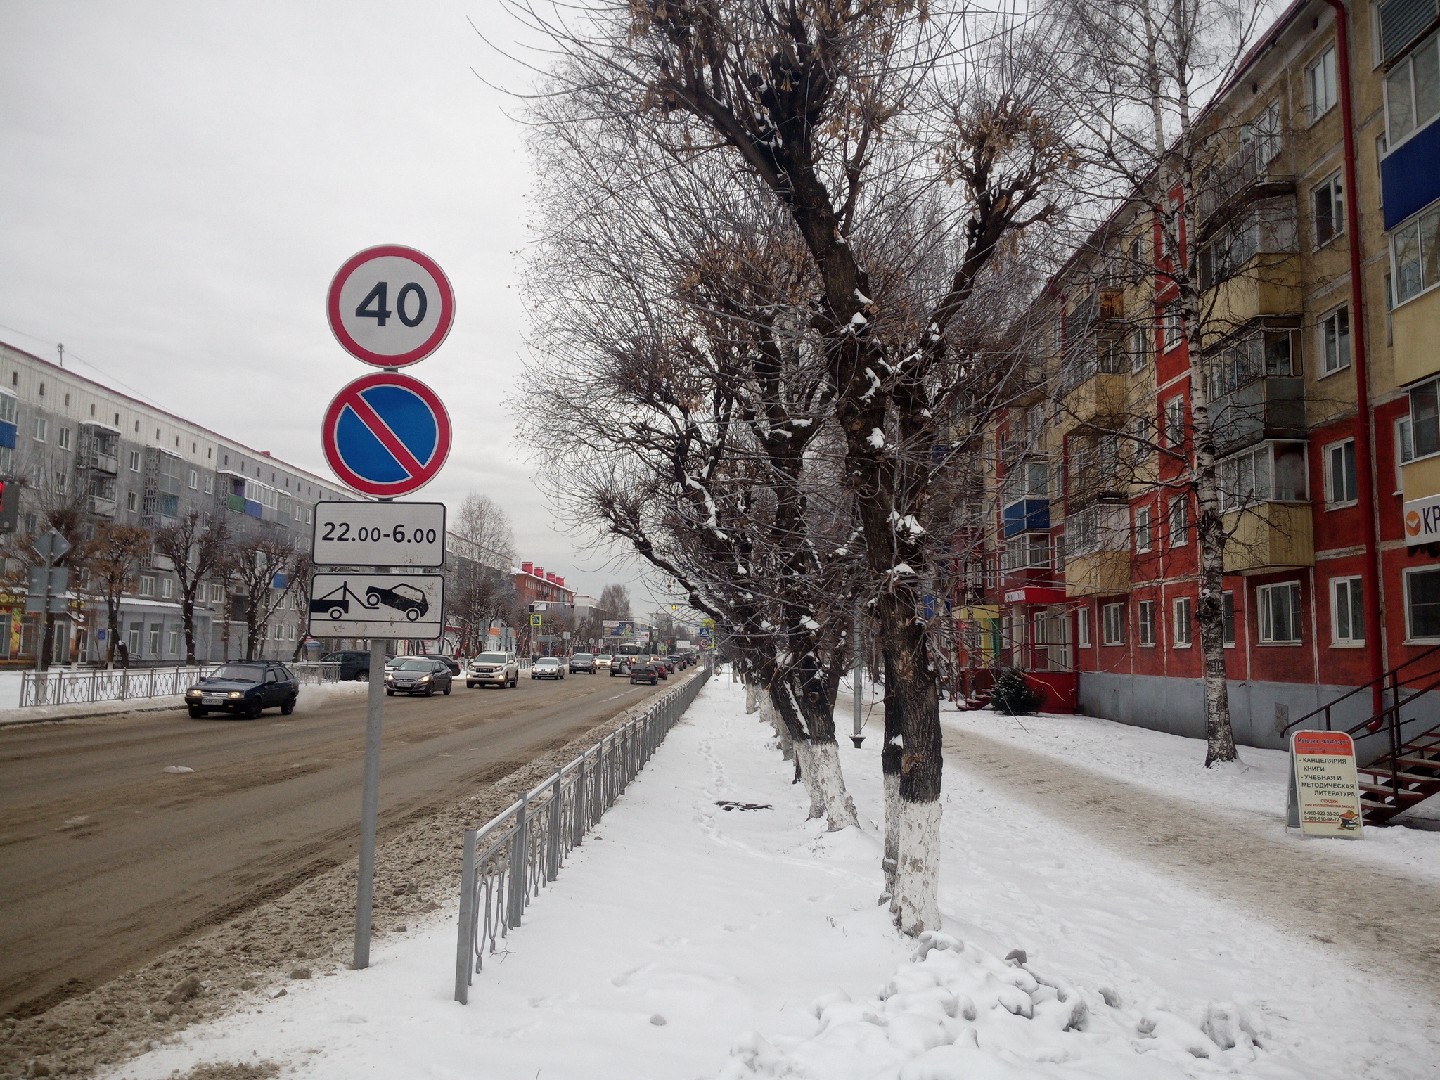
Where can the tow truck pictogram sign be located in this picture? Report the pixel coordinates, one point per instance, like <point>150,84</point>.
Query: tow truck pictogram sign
<point>372,605</point>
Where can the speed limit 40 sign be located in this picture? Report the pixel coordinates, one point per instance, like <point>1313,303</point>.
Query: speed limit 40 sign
<point>390,306</point>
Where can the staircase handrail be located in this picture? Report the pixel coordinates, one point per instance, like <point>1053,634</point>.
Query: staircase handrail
<point>1392,675</point>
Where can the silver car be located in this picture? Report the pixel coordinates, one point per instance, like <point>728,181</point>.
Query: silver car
<point>493,669</point>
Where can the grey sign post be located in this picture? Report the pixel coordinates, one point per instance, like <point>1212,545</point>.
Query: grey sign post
<point>46,586</point>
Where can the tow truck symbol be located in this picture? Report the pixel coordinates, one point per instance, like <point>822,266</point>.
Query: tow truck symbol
<point>406,599</point>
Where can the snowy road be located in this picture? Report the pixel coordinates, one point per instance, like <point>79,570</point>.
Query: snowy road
<point>1385,922</point>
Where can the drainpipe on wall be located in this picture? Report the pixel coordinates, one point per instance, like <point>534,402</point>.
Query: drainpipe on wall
<point>1365,431</point>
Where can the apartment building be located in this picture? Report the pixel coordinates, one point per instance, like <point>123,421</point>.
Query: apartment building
<point>1315,223</point>
<point>68,441</point>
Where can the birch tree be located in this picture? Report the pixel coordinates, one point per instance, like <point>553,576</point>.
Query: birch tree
<point>1147,67</point>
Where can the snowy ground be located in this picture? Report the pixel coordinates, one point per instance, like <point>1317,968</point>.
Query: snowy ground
<point>684,940</point>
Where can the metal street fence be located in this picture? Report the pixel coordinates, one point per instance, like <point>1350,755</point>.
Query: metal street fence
<point>61,687</point>
<point>510,860</point>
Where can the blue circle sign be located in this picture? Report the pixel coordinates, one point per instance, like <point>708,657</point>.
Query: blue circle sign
<point>386,434</point>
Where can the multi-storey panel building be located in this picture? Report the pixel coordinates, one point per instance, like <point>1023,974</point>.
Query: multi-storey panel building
<point>68,441</point>
<point>1314,220</point>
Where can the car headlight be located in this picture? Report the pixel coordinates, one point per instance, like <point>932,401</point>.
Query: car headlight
<point>236,695</point>
<point>193,692</point>
<point>424,678</point>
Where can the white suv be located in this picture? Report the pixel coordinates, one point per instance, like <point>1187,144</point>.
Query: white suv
<point>493,669</point>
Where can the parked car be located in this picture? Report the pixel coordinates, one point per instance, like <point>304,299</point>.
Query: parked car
<point>244,687</point>
<point>547,667</point>
<point>643,672</point>
<point>582,661</point>
<point>602,662</point>
<point>449,661</point>
<point>417,675</point>
<point>493,669</point>
<point>354,663</point>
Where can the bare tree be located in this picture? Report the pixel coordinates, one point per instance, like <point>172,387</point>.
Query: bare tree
<point>615,602</point>
<point>266,568</point>
<point>1147,67</point>
<point>198,546</point>
<point>902,176</point>
<point>116,556</point>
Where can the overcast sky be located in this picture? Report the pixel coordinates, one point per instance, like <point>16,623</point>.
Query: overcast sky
<point>180,181</point>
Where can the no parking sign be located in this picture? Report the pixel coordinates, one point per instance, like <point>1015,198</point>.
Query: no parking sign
<point>386,434</point>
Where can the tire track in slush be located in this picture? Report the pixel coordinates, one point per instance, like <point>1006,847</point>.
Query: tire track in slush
<point>1387,923</point>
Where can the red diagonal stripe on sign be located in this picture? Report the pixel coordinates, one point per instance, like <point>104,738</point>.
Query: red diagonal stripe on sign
<point>372,420</point>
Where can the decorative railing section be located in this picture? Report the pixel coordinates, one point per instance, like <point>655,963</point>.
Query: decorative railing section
<point>511,859</point>
<point>62,687</point>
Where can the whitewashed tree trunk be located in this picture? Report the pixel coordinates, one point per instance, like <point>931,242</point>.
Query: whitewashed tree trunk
<point>752,696</point>
<point>805,759</point>
<point>915,901</point>
<point>890,860</point>
<point>827,783</point>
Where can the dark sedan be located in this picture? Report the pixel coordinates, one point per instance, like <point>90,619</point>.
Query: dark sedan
<point>244,687</point>
<point>417,675</point>
<point>644,672</point>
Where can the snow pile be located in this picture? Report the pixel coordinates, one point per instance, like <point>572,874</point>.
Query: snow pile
<point>958,1012</point>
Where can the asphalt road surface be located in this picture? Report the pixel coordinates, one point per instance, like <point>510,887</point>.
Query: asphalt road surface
<point>107,859</point>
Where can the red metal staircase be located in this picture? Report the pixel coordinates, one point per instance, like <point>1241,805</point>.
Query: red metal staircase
<point>1406,771</point>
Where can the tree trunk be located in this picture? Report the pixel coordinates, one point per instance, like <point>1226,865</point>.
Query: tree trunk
<point>911,762</point>
<point>810,725</point>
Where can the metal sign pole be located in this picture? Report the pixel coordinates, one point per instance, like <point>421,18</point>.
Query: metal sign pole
<point>370,802</point>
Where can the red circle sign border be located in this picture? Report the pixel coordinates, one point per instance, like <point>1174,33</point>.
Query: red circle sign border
<point>353,347</point>
<point>339,403</point>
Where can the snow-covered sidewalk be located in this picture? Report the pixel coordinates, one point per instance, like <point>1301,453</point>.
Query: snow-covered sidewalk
<point>687,940</point>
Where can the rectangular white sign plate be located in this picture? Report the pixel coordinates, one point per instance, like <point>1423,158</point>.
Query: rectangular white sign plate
<point>363,604</point>
<point>379,534</point>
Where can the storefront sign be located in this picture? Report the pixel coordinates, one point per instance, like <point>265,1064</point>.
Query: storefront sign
<point>1324,798</point>
<point>1422,520</point>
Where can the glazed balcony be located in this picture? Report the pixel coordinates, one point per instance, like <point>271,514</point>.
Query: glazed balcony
<point>1226,190</point>
<point>1097,550</point>
<point>1269,536</point>
<point>1255,389</point>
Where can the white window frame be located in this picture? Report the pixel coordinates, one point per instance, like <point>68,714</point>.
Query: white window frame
<point>1178,521</point>
<point>1333,341</point>
<point>1182,624</point>
<point>1145,624</point>
<point>1404,451</point>
<point>1174,422</point>
<point>1347,615</point>
<point>42,428</point>
<point>62,438</point>
<point>1406,67</point>
<point>1322,83</point>
<point>1327,230</point>
<point>1340,490</point>
<point>1425,427</point>
<point>1425,227</point>
<point>1082,628</point>
<point>1112,629</point>
<point>1264,614</point>
<point>1144,535</point>
<point>147,585</point>
<point>1174,332</point>
<point>1410,635</point>
<point>134,460</point>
